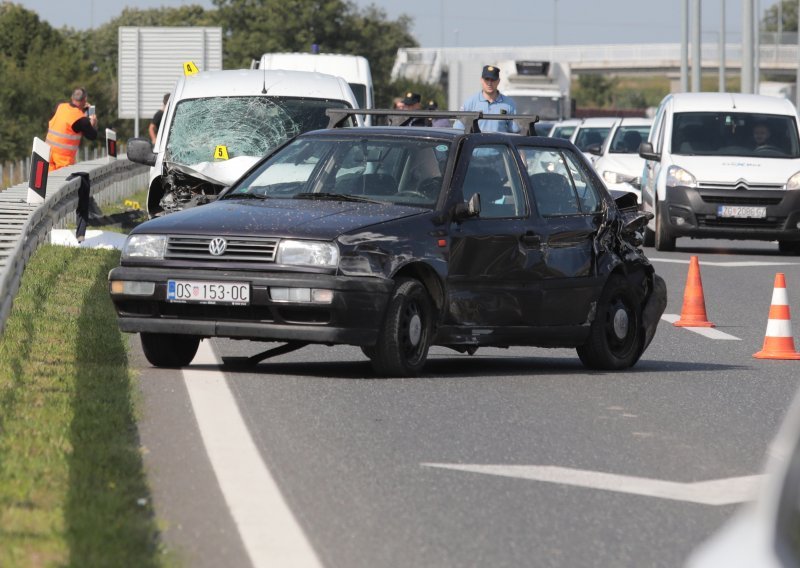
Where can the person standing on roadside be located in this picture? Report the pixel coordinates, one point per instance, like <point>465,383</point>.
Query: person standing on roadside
<point>155,124</point>
<point>413,101</point>
<point>489,100</point>
<point>69,122</point>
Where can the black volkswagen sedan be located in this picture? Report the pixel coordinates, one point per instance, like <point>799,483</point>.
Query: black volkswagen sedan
<point>395,239</point>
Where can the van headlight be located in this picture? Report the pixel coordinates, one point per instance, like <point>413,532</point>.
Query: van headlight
<point>794,182</point>
<point>145,246</point>
<point>308,253</point>
<point>617,178</point>
<point>678,176</point>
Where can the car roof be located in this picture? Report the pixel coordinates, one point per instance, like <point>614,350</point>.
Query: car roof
<point>598,121</point>
<point>635,121</point>
<point>731,102</point>
<point>250,82</point>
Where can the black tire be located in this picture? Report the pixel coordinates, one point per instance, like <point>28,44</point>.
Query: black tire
<point>662,240</point>
<point>369,351</point>
<point>789,247</point>
<point>404,340</point>
<point>169,349</point>
<point>616,338</point>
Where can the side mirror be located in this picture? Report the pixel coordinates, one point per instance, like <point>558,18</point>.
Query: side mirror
<point>140,150</point>
<point>594,149</point>
<point>471,208</point>
<point>646,151</point>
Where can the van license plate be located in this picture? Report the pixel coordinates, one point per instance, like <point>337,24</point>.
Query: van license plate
<point>741,212</point>
<point>202,292</point>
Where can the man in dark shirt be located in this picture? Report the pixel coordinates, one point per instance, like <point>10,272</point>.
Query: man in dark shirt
<point>156,122</point>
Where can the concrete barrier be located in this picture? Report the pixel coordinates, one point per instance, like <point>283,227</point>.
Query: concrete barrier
<point>24,227</point>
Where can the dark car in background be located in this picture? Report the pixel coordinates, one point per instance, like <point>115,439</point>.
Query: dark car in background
<point>395,239</point>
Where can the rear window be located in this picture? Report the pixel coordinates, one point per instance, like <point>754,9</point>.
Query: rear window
<point>735,134</point>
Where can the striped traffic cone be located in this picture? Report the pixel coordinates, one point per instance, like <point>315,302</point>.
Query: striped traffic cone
<point>778,342</point>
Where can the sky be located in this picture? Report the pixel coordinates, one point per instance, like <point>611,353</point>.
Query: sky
<point>476,23</point>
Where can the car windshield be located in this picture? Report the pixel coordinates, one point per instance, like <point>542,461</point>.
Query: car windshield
<point>241,126</point>
<point>628,138</point>
<point>735,134</point>
<point>380,169</point>
<point>564,132</point>
<point>588,136</point>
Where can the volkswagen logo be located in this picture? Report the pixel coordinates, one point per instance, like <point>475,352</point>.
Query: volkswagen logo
<point>217,246</point>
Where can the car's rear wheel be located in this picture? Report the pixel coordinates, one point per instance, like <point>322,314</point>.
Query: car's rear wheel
<point>615,337</point>
<point>406,334</point>
<point>169,349</point>
<point>663,240</point>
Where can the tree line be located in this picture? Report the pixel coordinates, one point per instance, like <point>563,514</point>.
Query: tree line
<point>40,65</point>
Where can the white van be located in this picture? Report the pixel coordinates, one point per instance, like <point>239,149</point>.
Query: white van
<point>723,165</point>
<point>617,161</point>
<point>219,123</point>
<point>352,68</point>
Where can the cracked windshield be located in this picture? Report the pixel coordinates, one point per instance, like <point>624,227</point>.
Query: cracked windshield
<point>247,126</point>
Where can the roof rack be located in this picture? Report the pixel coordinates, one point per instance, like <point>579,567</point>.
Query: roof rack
<point>337,117</point>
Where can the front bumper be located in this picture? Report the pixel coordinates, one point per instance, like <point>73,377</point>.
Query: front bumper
<point>354,316</point>
<point>693,212</point>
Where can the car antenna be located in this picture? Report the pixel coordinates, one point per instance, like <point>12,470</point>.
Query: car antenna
<point>264,88</point>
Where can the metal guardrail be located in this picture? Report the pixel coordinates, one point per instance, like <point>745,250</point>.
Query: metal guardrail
<point>24,227</point>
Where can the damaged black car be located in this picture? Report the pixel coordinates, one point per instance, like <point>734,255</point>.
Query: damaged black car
<point>395,239</point>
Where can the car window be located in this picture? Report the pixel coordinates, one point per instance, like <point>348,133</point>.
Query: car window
<point>627,139</point>
<point>492,172</point>
<point>588,195</point>
<point>588,136</point>
<point>559,183</point>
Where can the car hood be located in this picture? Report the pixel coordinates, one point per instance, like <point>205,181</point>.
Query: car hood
<point>731,169</point>
<point>300,218</point>
<point>628,164</point>
<point>224,172</point>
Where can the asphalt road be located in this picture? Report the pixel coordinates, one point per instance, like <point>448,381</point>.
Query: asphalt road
<point>419,472</point>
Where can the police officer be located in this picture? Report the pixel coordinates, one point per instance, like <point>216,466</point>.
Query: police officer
<point>413,101</point>
<point>65,128</point>
<point>490,100</point>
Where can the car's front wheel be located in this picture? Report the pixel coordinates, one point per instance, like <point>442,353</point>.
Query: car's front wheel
<point>616,337</point>
<point>407,330</point>
<point>663,240</point>
<point>169,349</point>
<point>789,247</point>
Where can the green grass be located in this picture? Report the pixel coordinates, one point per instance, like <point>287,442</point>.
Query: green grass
<point>72,485</point>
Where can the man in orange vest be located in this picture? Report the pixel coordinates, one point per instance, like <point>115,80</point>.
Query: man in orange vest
<point>69,122</point>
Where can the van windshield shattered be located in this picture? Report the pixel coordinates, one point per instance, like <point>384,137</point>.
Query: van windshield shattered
<point>242,126</point>
<point>735,134</point>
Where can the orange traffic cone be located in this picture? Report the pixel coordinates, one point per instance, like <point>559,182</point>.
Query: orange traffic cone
<point>693,313</point>
<point>778,342</point>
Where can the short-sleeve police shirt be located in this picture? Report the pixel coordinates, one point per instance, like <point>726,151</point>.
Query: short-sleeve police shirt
<point>501,105</point>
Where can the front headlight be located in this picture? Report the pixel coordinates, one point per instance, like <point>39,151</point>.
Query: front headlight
<point>678,176</point>
<point>794,182</point>
<point>308,253</point>
<point>616,177</point>
<point>145,246</point>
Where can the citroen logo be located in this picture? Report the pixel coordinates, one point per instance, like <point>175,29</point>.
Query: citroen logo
<point>217,246</point>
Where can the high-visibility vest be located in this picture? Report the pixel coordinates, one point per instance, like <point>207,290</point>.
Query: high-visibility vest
<point>64,141</point>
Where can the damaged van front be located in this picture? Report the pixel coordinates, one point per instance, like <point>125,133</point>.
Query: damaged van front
<point>220,123</point>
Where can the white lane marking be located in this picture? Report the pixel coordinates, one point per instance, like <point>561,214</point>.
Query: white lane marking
<point>271,535</point>
<point>731,264</point>
<point>716,492</point>
<point>709,332</point>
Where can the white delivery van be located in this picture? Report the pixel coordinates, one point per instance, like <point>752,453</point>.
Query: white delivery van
<point>219,123</point>
<point>352,68</point>
<point>723,165</point>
